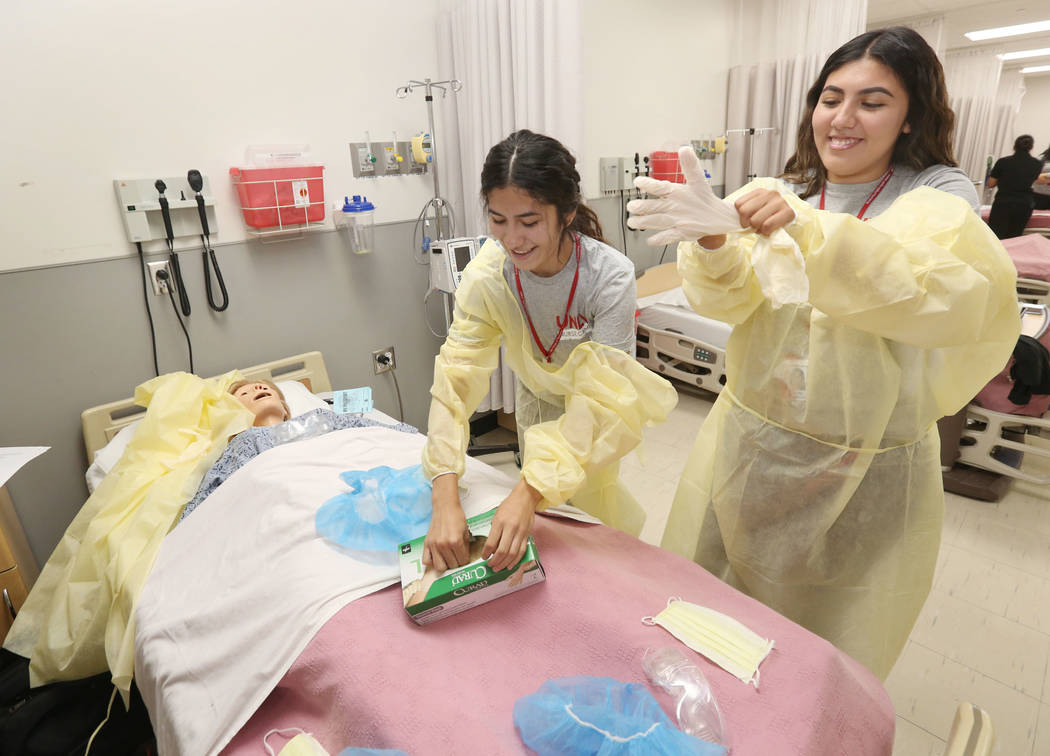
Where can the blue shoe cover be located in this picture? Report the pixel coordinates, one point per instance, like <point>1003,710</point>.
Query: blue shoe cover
<point>384,508</point>
<point>584,716</point>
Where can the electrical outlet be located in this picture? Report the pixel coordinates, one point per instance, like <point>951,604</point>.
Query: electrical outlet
<point>383,360</point>
<point>159,287</point>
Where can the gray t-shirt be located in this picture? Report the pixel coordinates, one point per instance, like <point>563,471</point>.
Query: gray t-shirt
<point>850,198</point>
<point>602,309</point>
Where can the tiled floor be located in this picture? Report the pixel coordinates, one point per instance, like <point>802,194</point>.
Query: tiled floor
<point>984,634</point>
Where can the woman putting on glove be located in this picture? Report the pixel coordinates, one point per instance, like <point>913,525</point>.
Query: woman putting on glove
<point>815,482</point>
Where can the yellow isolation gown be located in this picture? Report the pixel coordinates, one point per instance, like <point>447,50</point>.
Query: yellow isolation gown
<point>608,399</point>
<point>815,482</point>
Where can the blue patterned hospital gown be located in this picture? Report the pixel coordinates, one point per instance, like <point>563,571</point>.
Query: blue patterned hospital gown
<point>249,444</point>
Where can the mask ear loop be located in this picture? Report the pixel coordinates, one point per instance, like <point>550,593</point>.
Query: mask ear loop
<point>279,732</point>
<point>650,621</point>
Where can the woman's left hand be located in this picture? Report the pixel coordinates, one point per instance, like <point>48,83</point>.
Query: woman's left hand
<point>511,527</point>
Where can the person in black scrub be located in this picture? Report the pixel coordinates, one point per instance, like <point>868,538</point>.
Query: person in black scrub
<point>1014,201</point>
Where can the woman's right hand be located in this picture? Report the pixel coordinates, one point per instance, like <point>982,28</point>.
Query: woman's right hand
<point>447,542</point>
<point>764,210</point>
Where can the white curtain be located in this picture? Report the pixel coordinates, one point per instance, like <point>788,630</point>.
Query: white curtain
<point>1007,106</point>
<point>973,82</point>
<point>932,30</point>
<point>521,65</point>
<point>790,39</point>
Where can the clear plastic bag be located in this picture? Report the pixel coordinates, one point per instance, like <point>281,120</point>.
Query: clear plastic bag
<point>695,706</point>
<point>303,427</point>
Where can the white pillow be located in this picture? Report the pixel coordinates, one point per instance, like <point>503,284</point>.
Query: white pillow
<point>107,457</point>
<point>299,400</point>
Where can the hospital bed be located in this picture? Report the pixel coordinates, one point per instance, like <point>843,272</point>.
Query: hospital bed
<point>1031,256</point>
<point>1039,223</point>
<point>249,622</point>
<point>672,339</point>
<point>996,435</point>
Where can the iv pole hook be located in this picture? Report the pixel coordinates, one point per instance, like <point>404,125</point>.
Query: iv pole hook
<point>402,92</point>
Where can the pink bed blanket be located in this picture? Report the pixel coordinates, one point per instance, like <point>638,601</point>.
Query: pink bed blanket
<point>1040,220</point>
<point>1031,255</point>
<point>372,678</point>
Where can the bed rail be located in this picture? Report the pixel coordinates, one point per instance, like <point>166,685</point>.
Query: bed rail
<point>100,424</point>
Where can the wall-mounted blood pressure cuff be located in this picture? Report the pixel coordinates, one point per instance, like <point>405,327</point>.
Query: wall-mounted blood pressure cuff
<point>731,645</point>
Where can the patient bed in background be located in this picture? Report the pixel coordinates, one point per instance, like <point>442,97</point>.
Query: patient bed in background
<point>998,435</point>
<point>995,435</point>
<point>1039,223</point>
<point>1031,256</point>
<point>672,339</point>
<point>370,677</point>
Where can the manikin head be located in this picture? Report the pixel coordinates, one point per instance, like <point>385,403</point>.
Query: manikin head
<point>264,399</point>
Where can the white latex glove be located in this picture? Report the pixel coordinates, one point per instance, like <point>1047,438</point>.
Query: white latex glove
<point>682,212</point>
<point>689,211</point>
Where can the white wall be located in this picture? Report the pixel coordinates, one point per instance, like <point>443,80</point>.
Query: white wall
<point>1034,116</point>
<point>139,90</point>
<point>118,89</point>
<point>655,76</point>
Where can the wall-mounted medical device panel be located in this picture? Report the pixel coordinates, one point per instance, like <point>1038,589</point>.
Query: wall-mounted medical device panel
<point>616,174</point>
<point>375,159</point>
<point>140,207</point>
<point>448,258</point>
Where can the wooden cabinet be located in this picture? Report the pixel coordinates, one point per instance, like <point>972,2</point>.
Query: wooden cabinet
<point>12,589</point>
<point>18,569</point>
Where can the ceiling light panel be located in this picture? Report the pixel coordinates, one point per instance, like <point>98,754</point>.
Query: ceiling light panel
<point>1009,31</point>
<point>1020,54</point>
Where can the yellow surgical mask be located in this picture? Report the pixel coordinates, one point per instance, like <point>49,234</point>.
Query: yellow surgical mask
<point>303,744</point>
<point>728,643</point>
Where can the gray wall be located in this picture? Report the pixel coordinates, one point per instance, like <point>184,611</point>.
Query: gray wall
<point>75,336</point>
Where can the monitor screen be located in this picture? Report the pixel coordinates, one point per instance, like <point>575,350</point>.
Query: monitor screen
<point>462,254</point>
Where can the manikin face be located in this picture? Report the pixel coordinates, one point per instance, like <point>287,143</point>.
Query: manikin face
<point>529,231</point>
<point>857,120</point>
<point>262,399</point>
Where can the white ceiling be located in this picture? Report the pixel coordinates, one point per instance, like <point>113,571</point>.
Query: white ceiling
<point>961,16</point>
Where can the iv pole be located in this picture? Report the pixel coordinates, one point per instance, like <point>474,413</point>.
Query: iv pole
<point>402,92</point>
<point>439,203</point>
<point>751,146</point>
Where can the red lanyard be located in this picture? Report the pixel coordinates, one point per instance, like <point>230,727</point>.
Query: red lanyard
<point>871,197</point>
<point>572,295</point>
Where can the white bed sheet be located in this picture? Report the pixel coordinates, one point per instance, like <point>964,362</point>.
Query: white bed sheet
<point>240,588</point>
<point>674,297</point>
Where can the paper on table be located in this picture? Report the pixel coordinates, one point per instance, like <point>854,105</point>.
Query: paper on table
<point>13,457</point>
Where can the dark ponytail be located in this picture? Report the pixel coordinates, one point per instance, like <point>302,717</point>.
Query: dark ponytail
<point>543,167</point>
<point>1024,144</point>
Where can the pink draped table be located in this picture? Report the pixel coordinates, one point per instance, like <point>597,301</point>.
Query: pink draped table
<point>371,678</point>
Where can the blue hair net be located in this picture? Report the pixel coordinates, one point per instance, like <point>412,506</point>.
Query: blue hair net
<point>384,507</point>
<point>600,715</point>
